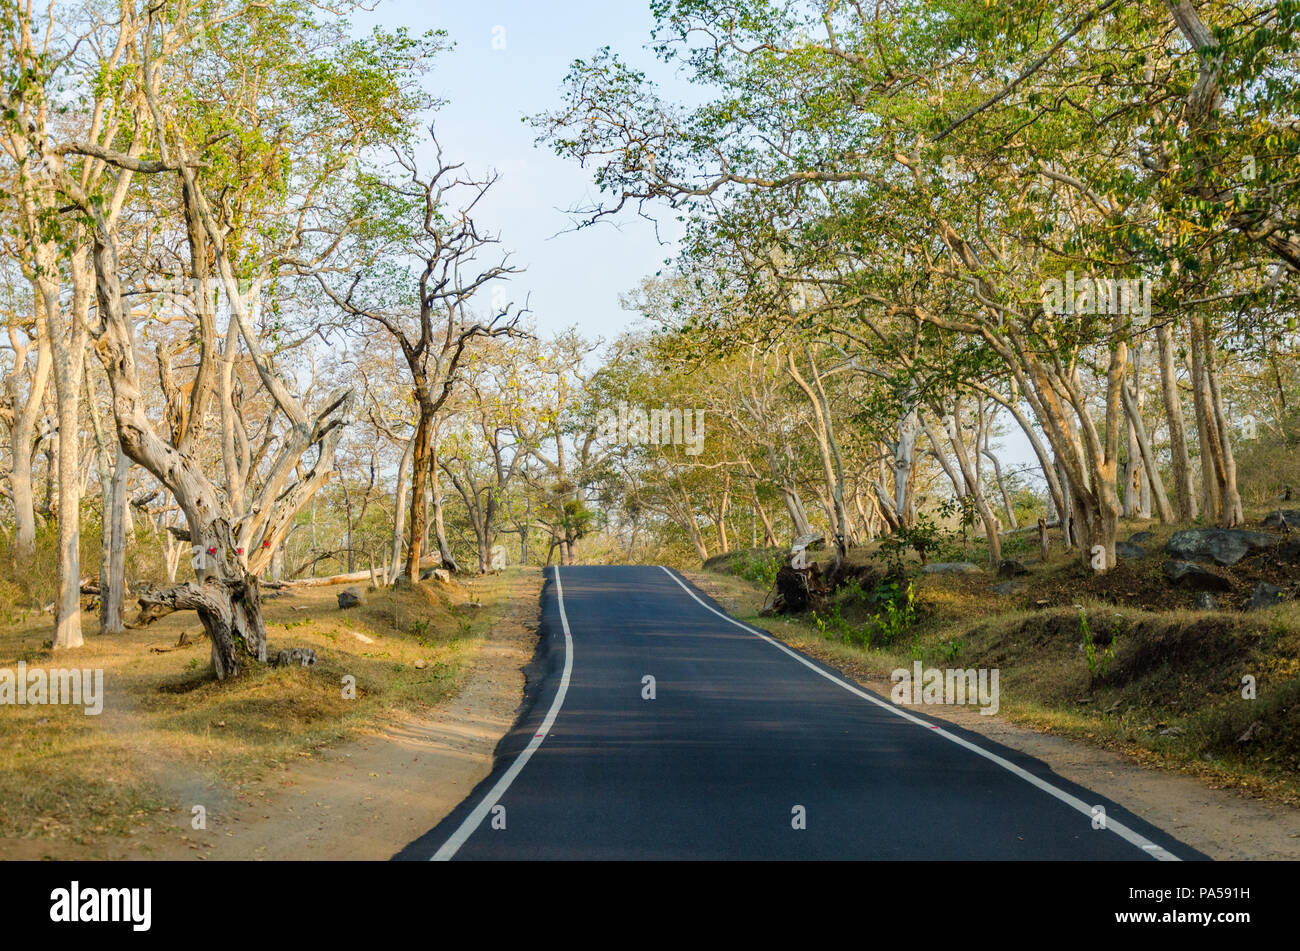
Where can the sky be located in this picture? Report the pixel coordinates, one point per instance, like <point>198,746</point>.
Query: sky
<point>509,61</point>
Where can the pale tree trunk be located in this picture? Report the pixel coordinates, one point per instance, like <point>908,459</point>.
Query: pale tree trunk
<point>1204,428</point>
<point>25,415</point>
<point>1231,513</point>
<point>1150,473</point>
<point>904,458</point>
<point>1132,468</point>
<point>1065,511</point>
<point>974,490</point>
<point>1142,443</point>
<point>1220,467</point>
<point>827,446</point>
<point>401,494</point>
<point>720,520</point>
<point>1182,464</point>
<point>68,353</point>
<point>769,536</point>
<point>439,528</point>
<point>113,474</point>
<point>113,595</point>
<point>795,509</point>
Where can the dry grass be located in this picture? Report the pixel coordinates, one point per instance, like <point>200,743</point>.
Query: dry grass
<point>168,727</point>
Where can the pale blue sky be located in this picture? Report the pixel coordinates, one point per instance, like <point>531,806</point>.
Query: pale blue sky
<point>573,278</point>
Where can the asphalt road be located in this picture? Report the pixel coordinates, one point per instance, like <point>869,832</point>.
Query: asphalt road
<point>744,737</point>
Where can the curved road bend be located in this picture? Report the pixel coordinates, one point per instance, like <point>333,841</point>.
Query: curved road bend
<point>742,730</point>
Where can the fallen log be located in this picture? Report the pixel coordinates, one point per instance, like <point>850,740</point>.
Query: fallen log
<point>333,579</point>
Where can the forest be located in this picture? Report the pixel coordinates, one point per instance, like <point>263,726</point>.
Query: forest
<point>948,270</point>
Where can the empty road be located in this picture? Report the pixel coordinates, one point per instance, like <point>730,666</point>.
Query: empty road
<point>748,750</point>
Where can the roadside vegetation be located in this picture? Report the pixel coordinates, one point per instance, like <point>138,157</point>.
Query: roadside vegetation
<point>168,730</point>
<point>1120,659</point>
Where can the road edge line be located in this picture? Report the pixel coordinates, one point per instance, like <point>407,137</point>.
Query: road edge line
<point>1124,832</point>
<point>467,828</point>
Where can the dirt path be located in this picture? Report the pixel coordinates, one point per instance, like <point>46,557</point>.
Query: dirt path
<point>1219,822</point>
<point>368,797</point>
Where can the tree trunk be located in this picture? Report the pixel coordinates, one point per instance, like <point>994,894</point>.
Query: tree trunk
<point>402,494</point>
<point>113,594</point>
<point>439,528</point>
<point>1182,464</point>
<point>69,361</point>
<point>20,436</point>
<point>1139,439</point>
<point>419,510</point>
<point>1232,513</point>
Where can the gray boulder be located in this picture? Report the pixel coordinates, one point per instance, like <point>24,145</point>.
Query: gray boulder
<point>1186,575</point>
<point>1007,588</point>
<point>1129,551</point>
<point>951,568</point>
<point>1141,538</point>
<point>1282,518</point>
<point>350,598</point>
<point>296,657</point>
<point>1223,546</point>
<point>1011,569</point>
<point>1204,601</point>
<point>1265,596</point>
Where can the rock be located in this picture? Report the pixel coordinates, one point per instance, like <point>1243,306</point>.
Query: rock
<point>1011,569</point>
<point>1204,601</point>
<point>951,568</point>
<point>1265,596</point>
<point>442,574</point>
<point>1141,538</point>
<point>1282,518</point>
<point>296,657</point>
<point>1195,577</point>
<point>361,637</point>
<point>498,558</point>
<point>1289,551</point>
<point>1223,546</point>
<point>1009,587</point>
<point>349,598</point>
<point>1130,551</point>
<point>421,664</point>
<point>1250,732</point>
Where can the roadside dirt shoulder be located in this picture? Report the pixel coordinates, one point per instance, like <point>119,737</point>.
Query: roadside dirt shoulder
<point>370,796</point>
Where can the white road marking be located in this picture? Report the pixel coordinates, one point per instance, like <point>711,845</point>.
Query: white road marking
<point>475,818</point>
<point>1123,831</point>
